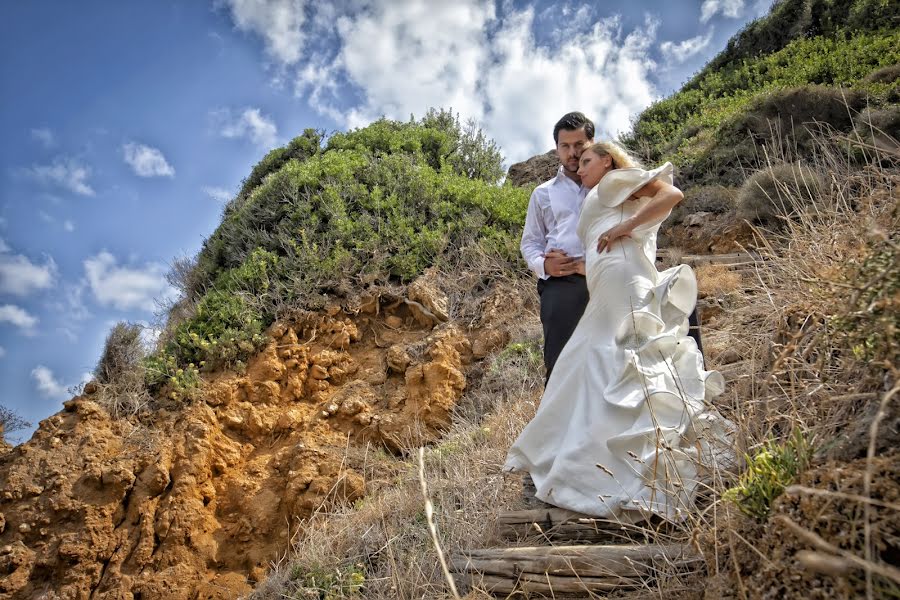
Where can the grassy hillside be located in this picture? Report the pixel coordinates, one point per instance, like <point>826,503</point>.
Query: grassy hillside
<point>808,62</point>
<point>322,218</point>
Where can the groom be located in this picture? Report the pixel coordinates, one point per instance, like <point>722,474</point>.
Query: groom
<point>550,244</point>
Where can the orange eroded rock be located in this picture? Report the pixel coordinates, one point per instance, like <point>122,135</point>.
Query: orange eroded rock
<point>197,501</point>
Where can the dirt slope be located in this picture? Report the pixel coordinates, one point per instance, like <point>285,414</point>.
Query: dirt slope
<point>195,501</point>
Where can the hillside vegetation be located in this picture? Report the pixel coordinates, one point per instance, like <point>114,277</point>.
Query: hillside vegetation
<point>808,63</point>
<point>326,218</point>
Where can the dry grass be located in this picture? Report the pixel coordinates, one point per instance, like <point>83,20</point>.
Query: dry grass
<point>817,329</point>
<point>717,280</point>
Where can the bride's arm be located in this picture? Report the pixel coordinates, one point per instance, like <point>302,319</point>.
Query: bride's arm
<point>663,198</point>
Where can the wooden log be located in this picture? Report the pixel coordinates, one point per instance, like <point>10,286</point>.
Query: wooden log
<point>633,560</point>
<point>558,524</point>
<point>718,259</point>
<point>733,371</point>
<point>566,569</point>
<point>547,585</point>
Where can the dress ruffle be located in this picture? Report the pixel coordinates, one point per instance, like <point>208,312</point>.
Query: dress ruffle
<point>661,377</point>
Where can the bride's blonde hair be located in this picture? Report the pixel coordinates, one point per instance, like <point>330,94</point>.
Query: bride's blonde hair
<point>620,157</point>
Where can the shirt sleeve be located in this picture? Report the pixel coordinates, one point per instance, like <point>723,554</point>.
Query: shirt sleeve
<point>534,235</point>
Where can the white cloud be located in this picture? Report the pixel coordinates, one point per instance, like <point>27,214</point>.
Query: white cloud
<point>250,124</point>
<point>9,313</point>
<point>2,351</point>
<point>67,173</point>
<point>412,55</point>
<point>681,51</point>
<point>46,382</point>
<point>45,136</point>
<point>403,58</point>
<point>728,8</point>
<point>601,72</point>
<point>68,225</point>
<point>146,161</point>
<point>70,303</point>
<point>278,22</point>
<point>125,287</point>
<point>218,194</point>
<point>19,276</point>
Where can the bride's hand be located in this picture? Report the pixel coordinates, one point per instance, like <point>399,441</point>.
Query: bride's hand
<point>622,230</point>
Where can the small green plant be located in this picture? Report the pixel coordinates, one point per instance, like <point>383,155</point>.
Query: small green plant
<point>769,471</point>
<point>528,353</point>
<point>328,584</point>
<point>163,373</point>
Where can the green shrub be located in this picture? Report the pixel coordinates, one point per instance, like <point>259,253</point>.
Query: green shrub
<point>122,352</point>
<point>384,202</point>
<point>776,192</point>
<point>162,372</point>
<point>870,325</point>
<point>300,148</point>
<point>769,471</point>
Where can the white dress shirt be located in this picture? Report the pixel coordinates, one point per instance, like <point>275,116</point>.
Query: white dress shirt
<point>552,221</point>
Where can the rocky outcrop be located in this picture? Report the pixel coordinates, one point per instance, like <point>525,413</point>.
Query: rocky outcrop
<point>535,170</point>
<point>197,500</point>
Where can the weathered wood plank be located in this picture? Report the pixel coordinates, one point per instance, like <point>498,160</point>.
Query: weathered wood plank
<point>558,524</point>
<point>548,585</point>
<point>632,560</point>
<point>733,258</point>
<point>550,570</point>
<point>548,515</point>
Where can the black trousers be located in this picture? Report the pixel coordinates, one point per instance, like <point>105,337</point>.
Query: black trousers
<point>563,300</point>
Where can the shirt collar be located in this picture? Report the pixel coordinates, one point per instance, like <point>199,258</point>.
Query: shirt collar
<point>562,177</point>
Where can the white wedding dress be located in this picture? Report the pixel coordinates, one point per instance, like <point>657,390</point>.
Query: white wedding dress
<point>624,428</point>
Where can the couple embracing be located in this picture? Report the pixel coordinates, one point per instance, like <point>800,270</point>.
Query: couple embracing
<point>624,429</point>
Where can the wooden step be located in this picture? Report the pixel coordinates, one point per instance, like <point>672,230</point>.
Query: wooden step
<point>553,570</point>
<point>717,259</point>
<point>734,371</point>
<point>558,524</point>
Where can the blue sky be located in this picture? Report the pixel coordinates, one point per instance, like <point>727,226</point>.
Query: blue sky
<point>125,126</point>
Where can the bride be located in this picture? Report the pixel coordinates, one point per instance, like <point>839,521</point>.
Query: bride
<point>625,428</point>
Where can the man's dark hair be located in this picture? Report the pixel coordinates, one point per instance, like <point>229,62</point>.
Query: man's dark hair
<point>571,122</point>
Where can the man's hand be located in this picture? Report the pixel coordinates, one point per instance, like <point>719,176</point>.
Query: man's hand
<point>559,264</point>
